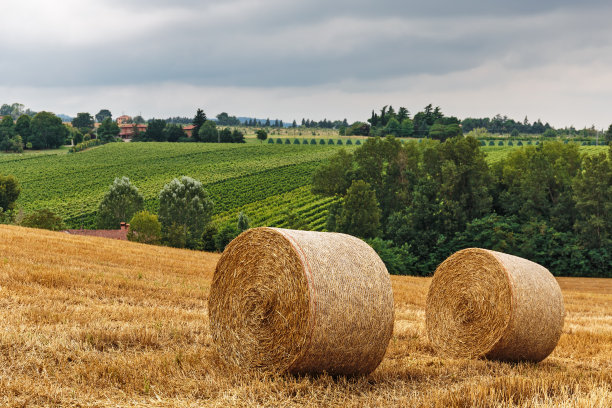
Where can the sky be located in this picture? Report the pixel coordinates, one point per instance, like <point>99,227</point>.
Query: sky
<point>293,59</point>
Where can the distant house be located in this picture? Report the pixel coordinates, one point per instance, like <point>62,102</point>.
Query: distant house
<point>123,119</point>
<point>128,131</point>
<point>188,130</point>
<point>120,234</point>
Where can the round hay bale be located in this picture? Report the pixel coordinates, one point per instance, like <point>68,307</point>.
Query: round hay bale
<point>301,302</point>
<point>491,304</point>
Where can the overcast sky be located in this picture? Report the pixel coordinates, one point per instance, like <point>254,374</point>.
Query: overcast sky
<point>317,59</point>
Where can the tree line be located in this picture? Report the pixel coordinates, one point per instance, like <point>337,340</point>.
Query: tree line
<point>419,202</point>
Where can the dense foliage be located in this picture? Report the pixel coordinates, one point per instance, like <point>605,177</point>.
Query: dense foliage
<point>548,203</point>
<point>119,204</point>
<point>184,211</point>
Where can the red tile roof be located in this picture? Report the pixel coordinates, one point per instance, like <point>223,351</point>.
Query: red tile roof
<point>112,234</point>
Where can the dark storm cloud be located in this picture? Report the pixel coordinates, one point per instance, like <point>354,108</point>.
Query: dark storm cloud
<point>304,43</point>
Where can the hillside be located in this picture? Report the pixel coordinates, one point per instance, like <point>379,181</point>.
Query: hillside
<point>93,322</point>
<point>235,175</point>
<point>265,181</point>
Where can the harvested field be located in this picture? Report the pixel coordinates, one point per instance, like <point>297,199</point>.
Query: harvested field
<point>86,321</point>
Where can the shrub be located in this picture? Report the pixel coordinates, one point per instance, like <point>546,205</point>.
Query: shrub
<point>279,140</point>
<point>501,143</point>
<point>145,228</point>
<point>358,142</point>
<point>207,242</point>
<point>321,141</point>
<point>225,236</point>
<point>519,143</point>
<point>330,142</point>
<point>119,204</point>
<point>349,142</point>
<point>313,141</point>
<point>43,219</point>
<point>510,143</point>
<point>339,142</point>
<point>184,211</point>
<point>304,141</point>
<point>296,141</point>
<point>287,141</point>
<point>270,141</point>
<point>491,143</point>
<point>483,143</point>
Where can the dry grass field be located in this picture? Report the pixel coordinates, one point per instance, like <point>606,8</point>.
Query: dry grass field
<point>89,322</point>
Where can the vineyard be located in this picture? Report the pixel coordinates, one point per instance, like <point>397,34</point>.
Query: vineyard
<point>238,177</point>
<point>270,183</point>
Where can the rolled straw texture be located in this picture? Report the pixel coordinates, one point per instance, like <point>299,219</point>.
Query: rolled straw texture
<point>301,302</point>
<point>491,304</point>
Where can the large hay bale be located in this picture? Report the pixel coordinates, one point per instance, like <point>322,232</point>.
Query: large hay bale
<point>491,304</point>
<point>301,302</point>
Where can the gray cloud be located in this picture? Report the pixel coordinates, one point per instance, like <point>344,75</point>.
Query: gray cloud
<point>344,44</point>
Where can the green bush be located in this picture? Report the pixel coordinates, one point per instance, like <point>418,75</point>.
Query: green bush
<point>270,141</point>
<point>491,143</point>
<point>145,228</point>
<point>358,142</point>
<point>321,141</point>
<point>501,143</point>
<point>349,142</point>
<point>43,219</point>
<point>330,142</point>
<point>510,143</point>
<point>279,140</point>
<point>339,142</point>
<point>519,143</point>
<point>287,141</point>
<point>296,141</point>
<point>119,204</point>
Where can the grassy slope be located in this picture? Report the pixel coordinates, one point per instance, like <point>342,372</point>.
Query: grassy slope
<point>92,322</point>
<point>72,185</point>
<point>264,181</point>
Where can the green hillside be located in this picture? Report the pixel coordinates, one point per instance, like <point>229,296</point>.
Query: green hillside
<point>246,177</point>
<point>268,182</point>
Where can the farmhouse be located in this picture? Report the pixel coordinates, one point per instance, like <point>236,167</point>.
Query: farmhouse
<point>120,234</point>
<point>127,131</point>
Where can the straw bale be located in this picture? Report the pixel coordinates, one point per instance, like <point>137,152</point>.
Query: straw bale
<point>301,302</point>
<point>483,303</point>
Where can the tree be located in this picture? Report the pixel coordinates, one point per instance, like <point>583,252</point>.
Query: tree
<point>208,132</point>
<point>198,120</point>
<point>119,204</point>
<point>22,127</point>
<point>108,131</point>
<point>237,136</point>
<point>360,212</point>
<point>174,133</point>
<point>9,192</point>
<point>225,135</point>
<point>333,178</point>
<point>43,219</point>
<point>103,114</point>
<point>261,135</point>
<point>138,120</point>
<point>593,195</point>
<point>184,206</point>
<point>145,228</point>
<point>223,119</point>
<point>48,131</point>
<point>83,121</point>
<point>243,222</point>
<point>608,135</point>
<point>7,133</point>
<point>156,131</point>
